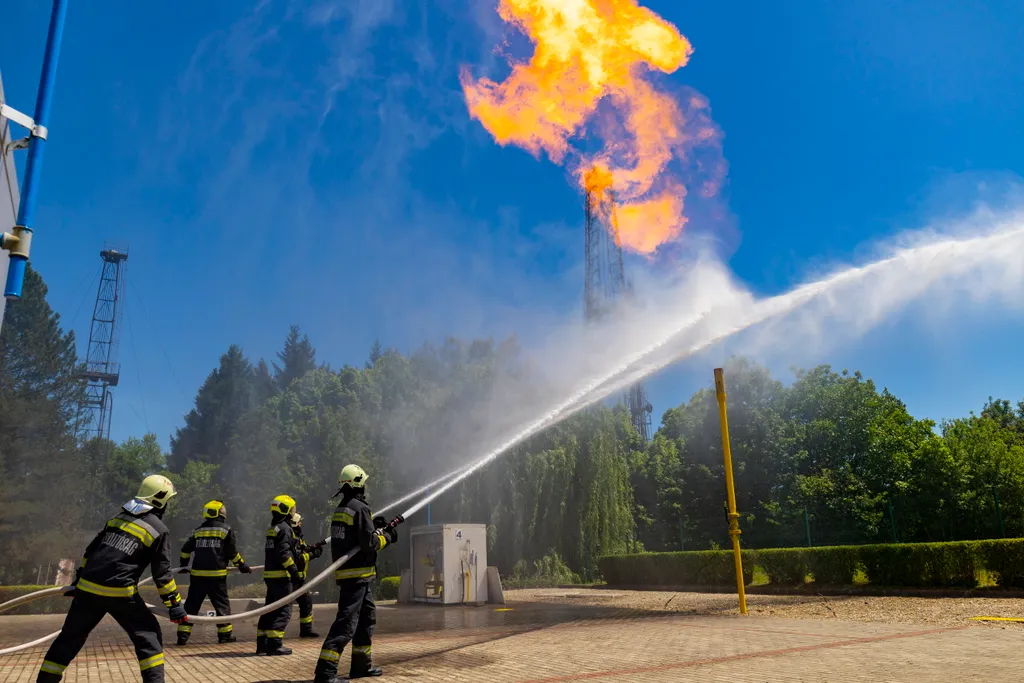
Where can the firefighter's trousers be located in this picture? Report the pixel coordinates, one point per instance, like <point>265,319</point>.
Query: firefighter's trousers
<point>85,613</point>
<point>200,588</point>
<point>305,609</point>
<point>272,624</point>
<point>356,618</point>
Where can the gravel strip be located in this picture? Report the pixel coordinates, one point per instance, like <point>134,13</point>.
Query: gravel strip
<point>886,610</point>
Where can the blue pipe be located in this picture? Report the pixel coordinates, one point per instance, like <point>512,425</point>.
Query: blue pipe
<point>34,165</point>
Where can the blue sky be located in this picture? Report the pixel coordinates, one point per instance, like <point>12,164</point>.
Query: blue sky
<point>314,163</point>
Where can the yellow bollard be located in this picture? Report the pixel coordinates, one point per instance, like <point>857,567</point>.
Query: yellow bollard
<point>734,517</point>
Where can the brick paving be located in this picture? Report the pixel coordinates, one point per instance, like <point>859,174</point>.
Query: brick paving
<point>551,643</point>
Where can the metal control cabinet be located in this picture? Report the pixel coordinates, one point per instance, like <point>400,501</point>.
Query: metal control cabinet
<point>449,563</point>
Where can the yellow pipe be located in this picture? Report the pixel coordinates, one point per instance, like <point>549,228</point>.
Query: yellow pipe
<point>734,517</point>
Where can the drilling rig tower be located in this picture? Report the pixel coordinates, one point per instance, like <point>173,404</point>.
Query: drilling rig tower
<point>101,371</point>
<point>606,283</point>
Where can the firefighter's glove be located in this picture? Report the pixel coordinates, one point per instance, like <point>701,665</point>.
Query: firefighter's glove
<point>379,522</point>
<point>70,592</point>
<point>183,569</point>
<point>243,568</point>
<point>177,613</point>
<point>316,551</point>
<point>390,533</point>
<point>294,573</point>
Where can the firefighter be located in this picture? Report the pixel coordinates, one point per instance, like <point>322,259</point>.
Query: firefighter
<point>352,528</point>
<point>107,583</point>
<point>305,554</point>
<point>280,573</point>
<point>211,547</point>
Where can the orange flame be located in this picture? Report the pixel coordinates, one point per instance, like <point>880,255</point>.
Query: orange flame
<point>586,52</point>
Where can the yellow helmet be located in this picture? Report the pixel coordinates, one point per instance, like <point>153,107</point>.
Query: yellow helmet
<point>156,490</point>
<point>354,476</point>
<point>215,509</point>
<point>283,505</point>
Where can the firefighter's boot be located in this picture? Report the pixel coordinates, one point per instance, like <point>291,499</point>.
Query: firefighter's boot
<point>184,631</point>
<point>306,631</point>
<point>226,637</point>
<point>261,645</point>
<point>276,648</point>
<point>362,663</point>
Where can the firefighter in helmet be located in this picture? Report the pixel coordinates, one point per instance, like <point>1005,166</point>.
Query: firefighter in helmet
<point>107,583</point>
<point>281,574</point>
<point>211,547</point>
<point>353,528</point>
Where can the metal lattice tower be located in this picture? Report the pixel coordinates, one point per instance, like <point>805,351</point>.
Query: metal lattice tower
<point>101,371</point>
<point>606,280</point>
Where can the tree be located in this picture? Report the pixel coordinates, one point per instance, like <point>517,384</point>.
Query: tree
<point>376,353</point>
<point>115,471</point>
<point>40,479</point>
<point>297,358</point>
<point>265,385</point>
<point>226,395</point>
<point>195,486</point>
<point>1006,416</point>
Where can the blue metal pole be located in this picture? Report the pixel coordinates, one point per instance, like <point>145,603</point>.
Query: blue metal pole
<point>34,164</point>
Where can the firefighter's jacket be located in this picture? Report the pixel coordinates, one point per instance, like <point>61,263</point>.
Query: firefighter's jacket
<point>115,559</point>
<point>212,546</point>
<point>279,562</point>
<point>352,529</point>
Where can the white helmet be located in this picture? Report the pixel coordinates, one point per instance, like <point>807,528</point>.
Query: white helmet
<point>354,476</point>
<point>154,492</point>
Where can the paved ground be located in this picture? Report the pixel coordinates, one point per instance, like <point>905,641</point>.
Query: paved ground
<point>553,641</point>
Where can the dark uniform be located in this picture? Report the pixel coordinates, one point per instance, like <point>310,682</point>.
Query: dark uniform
<point>352,528</point>
<point>306,553</point>
<point>214,546</point>
<point>107,583</point>
<point>279,573</point>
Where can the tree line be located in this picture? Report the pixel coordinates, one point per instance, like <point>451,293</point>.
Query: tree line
<point>826,459</point>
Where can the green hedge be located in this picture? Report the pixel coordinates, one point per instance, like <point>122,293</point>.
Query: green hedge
<point>912,565</point>
<point>387,587</point>
<point>699,568</point>
<point>1005,559</point>
<point>833,565</point>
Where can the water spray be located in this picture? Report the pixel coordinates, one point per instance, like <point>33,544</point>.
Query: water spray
<point>718,325</point>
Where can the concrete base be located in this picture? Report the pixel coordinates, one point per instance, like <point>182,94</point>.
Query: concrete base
<point>405,587</point>
<point>495,595</point>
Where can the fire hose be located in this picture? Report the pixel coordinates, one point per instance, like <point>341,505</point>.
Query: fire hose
<point>194,619</point>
